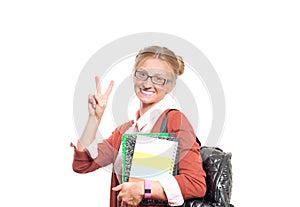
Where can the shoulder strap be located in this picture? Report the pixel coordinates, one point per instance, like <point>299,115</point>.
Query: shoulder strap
<point>164,125</point>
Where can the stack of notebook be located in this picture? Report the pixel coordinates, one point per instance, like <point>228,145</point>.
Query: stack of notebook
<point>149,156</point>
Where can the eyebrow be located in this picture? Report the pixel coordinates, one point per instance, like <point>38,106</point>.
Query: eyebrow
<point>156,73</point>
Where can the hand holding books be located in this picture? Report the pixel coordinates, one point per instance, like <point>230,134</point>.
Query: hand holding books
<point>130,193</point>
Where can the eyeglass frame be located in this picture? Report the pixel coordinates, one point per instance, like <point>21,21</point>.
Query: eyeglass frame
<point>149,76</point>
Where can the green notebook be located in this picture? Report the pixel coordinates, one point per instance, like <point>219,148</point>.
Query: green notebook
<point>128,144</point>
<point>149,156</point>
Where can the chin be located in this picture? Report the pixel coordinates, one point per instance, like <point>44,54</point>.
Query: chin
<point>148,99</point>
<point>148,102</point>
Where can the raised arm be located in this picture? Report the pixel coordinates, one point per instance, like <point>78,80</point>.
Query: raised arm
<point>96,107</point>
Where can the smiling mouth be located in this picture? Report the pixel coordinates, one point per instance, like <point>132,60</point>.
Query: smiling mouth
<point>146,92</point>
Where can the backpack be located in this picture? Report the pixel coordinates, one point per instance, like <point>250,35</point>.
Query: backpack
<point>218,168</point>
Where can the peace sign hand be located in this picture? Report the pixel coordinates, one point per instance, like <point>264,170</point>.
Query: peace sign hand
<point>97,102</point>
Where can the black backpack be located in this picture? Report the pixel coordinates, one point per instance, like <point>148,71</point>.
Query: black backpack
<point>218,168</point>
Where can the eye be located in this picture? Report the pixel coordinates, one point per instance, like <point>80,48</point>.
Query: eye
<point>159,78</point>
<point>142,74</point>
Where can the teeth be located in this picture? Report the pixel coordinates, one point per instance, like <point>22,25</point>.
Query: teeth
<point>147,92</point>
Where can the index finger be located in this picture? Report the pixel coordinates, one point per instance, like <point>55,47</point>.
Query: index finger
<point>109,89</point>
<point>98,88</point>
<point>117,188</point>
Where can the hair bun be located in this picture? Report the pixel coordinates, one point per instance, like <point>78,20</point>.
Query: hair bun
<point>180,65</point>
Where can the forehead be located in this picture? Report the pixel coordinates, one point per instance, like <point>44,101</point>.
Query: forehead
<point>154,64</point>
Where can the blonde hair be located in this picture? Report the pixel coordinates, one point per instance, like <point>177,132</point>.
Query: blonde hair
<point>162,53</point>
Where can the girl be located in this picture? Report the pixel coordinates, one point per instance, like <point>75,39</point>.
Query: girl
<point>155,72</point>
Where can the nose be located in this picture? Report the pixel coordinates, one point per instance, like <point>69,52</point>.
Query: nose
<point>148,83</point>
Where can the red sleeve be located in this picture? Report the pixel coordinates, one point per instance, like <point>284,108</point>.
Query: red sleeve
<point>191,176</point>
<point>107,152</point>
<point>82,162</point>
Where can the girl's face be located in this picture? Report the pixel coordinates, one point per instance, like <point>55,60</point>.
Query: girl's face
<point>153,79</point>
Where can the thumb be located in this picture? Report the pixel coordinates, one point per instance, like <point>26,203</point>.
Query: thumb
<point>117,188</point>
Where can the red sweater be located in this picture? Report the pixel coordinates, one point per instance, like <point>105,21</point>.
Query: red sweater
<point>191,176</point>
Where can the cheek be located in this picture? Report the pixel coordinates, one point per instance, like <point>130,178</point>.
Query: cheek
<point>163,89</point>
<point>161,92</point>
<point>136,83</point>
<point>169,88</point>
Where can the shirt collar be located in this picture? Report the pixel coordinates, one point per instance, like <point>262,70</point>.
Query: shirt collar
<point>148,119</point>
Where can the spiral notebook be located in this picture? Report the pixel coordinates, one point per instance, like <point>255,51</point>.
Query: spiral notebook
<point>149,156</point>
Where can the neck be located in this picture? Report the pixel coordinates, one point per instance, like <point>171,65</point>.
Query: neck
<point>145,107</point>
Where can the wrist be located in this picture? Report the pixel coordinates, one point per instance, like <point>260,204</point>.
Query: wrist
<point>95,119</point>
<point>147,187</point>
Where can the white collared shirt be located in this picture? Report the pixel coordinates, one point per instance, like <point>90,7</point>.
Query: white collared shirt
<point>145,124</point>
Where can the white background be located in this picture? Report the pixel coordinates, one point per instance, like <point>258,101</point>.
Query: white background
<point>253,46</point>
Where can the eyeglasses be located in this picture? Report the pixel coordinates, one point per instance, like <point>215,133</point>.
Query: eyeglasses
<point>142,75</point>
